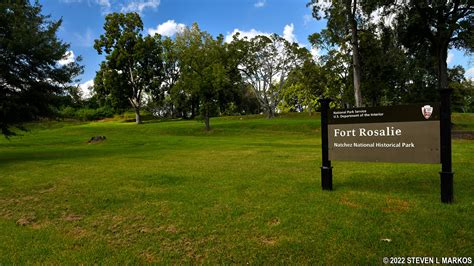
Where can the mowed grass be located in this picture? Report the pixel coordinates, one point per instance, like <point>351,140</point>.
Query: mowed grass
<point>247,192</point>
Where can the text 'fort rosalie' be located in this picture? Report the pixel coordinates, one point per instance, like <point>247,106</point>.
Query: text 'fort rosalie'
<point>363,132</point>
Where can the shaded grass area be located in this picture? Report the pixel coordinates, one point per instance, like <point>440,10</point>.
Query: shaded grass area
<point>249,191</point>
<point>463,121</point>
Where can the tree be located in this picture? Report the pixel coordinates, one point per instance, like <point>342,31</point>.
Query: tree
<point>304,87</point>
<point>137,59</point>
<point>265,65</point>
<point>463,90</point>
<point>385,68</point>
<point>30,75</point>
<point>111,89</point>
<point>161,98</point>
<point>344,19</point>
<point>440,23</point>
<point>203,74</point>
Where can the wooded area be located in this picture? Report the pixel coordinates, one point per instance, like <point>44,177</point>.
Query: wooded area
<point>373,53</point>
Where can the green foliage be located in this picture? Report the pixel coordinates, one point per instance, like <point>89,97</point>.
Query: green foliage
<point>203,73</point>
<point>133,63</point>
<point>30,75</point>
<point>111,89</point>
<point>400,63</point>
<point>435,26</point>
<point>68,112</point>
<point>463,90</point>
<point>265,64</point>
<point>86,114</point>
<point>306,84</point>
<point>162,101</point>
<point>463,97</point>
<point>346,20</point>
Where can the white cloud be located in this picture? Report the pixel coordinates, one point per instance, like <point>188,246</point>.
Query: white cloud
<point>470,73</point>
<point>450,58</point>
<point>86,39</point>
<point>249,34</point>
<point>140,5</point>
<point>288,33</point>
<point>260,3</point>
<point>307,19</point>
<point>168,28</point>
<point>101,3</point>
<point>316,53</point>
<point>86,88</point>
<point>67,58</point>
<point>323,4</point>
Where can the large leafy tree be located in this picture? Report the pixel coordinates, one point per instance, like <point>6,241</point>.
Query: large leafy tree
<point>463,90</point>
<point>111,89</point>
<point>436,25</point>
<point>266,63</point>
<point>136,59</point>
<point>30,76</point>
<point>161,97</point>
<point>203,74</point>
<point>345,20</point>
<point>386,69</point>
<point>304,87</point>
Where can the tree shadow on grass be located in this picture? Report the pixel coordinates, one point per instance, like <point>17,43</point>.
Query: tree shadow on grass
<point>412,182</point>
<point>18,157</point>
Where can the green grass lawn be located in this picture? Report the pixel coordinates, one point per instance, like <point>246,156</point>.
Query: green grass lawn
<point>247,192</point>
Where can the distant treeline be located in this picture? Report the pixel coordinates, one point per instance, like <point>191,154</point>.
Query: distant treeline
<point>360,61</point>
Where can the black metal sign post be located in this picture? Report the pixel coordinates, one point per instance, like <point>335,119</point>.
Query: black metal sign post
<point>446,173</point>
<point>326,168</point>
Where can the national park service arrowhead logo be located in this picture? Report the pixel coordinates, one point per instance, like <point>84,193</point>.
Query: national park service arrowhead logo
<point>427,110</point>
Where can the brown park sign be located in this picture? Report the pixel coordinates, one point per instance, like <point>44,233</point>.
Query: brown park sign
<point>405,133</point>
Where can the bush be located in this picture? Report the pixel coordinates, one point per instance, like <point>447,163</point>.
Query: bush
<point>67,112</point>
<point>86,114</point>
<point>104,112</point>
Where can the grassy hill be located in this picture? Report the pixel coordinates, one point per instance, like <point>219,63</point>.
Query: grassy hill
<point>249,191</point>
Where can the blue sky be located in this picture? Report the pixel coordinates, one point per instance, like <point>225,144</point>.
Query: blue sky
<point>83,21</point>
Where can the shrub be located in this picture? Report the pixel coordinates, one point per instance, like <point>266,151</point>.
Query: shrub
<point>86,114</point>
<point>67,112</point>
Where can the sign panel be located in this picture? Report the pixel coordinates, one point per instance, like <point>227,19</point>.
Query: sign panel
<point>404,133</point>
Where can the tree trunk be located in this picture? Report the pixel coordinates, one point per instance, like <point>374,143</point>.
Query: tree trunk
<point>138,117</point>
<point>206,120</point>
<point>351,10</point>
<point>194,107</point>
<point>271,113</point>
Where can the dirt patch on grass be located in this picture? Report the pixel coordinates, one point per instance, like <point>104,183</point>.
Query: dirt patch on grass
<point>123,231</point>
<point>6,214</point>
<point>26,220</point>
<point>345,201</point>
<point>171,229</point>
<point>274,221</point>
<point>396,205</point>
<point>145,230</point>
<point>462,134</point>
<point>149,257</point>
<point>72,218</point>
<point>268,241</point>
<point>40,224</point>
<point>48,190</point>
<point>77,232</point>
